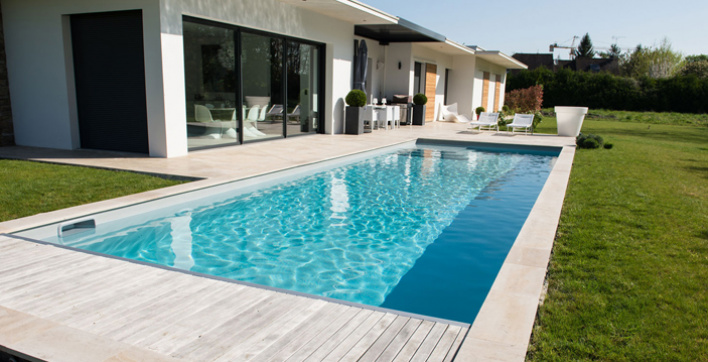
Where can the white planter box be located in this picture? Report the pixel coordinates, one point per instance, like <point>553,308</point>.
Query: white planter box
<point>570,120</point>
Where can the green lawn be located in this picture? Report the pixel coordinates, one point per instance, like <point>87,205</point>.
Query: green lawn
<point>29,188</point>
<point>628,274</point>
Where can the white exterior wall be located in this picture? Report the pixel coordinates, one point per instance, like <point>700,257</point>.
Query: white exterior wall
<point>481,67</point>
<point>426,55</point>
<point>399,81</point>
<point>40,66</point>
<point>41,76</point>
<point>461,87</point>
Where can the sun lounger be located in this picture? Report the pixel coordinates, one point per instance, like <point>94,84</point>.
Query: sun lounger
<point>486,119</point>
<point>524,121</point>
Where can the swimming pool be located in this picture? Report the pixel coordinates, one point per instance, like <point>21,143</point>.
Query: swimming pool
<point>413,229</point>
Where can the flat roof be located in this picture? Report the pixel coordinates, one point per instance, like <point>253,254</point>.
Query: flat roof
<point>376,24</point>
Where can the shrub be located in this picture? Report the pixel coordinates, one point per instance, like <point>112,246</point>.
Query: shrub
<point>682,93</point>
<point>420,99</point>
<point>356,98</point>
<point>589,141</point>
<point>608,146</point>
<point>479,110</point>
<point>527,100</point>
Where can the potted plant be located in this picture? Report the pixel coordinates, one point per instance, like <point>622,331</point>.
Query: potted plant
<point>570,120</point>
<point>419,101</point>
<point>356,100</point>
<point>479,111</point>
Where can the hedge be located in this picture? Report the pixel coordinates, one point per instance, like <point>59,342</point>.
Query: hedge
<point>686,93</point>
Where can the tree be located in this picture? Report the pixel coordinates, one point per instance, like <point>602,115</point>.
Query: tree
<point>695,65</point>
<point>656,62</point>
<point>614,52</point>
<point>585,49</point>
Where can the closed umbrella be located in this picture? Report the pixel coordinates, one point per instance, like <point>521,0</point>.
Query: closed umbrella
<point>360,64</point>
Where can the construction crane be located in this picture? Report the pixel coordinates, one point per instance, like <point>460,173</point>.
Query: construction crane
<point>572,47</point>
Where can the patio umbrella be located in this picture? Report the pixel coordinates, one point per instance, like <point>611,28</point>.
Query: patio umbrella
<point>360,63</point>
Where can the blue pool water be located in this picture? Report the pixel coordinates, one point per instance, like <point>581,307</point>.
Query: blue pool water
<point>423,230</point>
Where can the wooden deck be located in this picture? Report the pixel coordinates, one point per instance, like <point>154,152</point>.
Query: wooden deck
<point>58,304</point>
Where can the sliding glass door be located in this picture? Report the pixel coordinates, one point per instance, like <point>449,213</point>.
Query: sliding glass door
<point>244,85</point>
<point>210,85</point>
<point>303,88</point>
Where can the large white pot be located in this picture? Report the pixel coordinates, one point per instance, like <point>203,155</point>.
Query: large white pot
<point>570,120</point>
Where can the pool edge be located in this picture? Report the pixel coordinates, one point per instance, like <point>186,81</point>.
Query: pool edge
<point>503,327</point>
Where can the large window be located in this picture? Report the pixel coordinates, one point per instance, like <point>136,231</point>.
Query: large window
<point>244,85</point>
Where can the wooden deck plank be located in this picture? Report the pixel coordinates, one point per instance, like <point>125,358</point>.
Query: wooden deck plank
<point>26,288</point>
<point>443,346</point>
<point>376,348</point>
<point>456,345</point>
<point>331,316</point>
<point>400,340</point>
<point>167,313</point>
<point>64,291</point>
<point>408,351</point>
<point>191,329</point>
<point>266,335</point>
<point>217,341</point>
<point>352,339</point>
<point>391,322</point>
<point>154,312</point>
<point>431,340</point>
<point>144,307</point>
<point>332,339</point>
<point>116,300</point>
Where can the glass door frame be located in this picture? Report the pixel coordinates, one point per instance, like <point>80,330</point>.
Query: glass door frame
<point>238,30</point>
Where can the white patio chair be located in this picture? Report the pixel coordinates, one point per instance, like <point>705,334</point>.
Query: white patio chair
<point>384,116</point>
<point>524,121</point>
<point>202,114</point>
<point>486,119</point>
<point>396,116</point>
<point>370,117</point>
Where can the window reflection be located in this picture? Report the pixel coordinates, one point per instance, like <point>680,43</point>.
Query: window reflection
<point>244,86</point>
<point>210,85</point>
<point>262,69</point>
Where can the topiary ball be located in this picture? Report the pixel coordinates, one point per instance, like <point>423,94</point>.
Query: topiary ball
<point>420,99</point>
<point>590,143</point>
<point>356,98</point>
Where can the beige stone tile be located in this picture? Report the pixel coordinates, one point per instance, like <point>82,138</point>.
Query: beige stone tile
<point>518,279</point>
<point>477,350</point>
<point>505,318</point>
<point>534,257</point>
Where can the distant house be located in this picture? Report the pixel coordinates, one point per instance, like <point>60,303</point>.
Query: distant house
<point>166,77</point>
<point>546,60</point>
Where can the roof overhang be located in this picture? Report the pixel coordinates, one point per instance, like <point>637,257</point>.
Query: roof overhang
<point>346,10</point>
<point>499,58</point>
<point>403,31</point>
<point>448,47</point>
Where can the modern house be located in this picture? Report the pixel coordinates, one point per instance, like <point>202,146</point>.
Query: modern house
<point>164,77</point>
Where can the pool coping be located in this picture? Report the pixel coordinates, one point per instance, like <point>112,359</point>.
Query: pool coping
<point>504,324</point>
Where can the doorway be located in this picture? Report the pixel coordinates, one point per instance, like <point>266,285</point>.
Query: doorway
<point>109,70</point>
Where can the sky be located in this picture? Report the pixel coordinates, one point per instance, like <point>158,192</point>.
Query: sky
<point>523,26</point>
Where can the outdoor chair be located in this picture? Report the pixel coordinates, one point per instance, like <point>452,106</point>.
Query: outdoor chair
<point>202,114</point>
<point>524,121</point>
<point>448,113</point>
<point>487,120</point>
<point>294,116</point>
<point>370,117</point>
<point>275,112</point>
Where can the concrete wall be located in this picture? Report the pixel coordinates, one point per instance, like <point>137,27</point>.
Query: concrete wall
<point>40,66</point>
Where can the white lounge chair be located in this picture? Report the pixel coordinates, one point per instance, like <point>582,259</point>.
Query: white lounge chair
<point>448,113</point>
<point>524,121</point>
<point>486,119</point>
